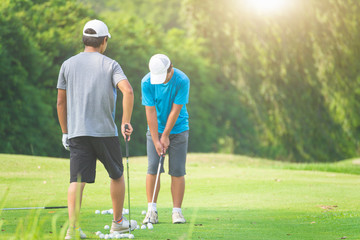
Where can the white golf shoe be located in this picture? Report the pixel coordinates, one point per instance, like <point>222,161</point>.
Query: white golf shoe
<point>72,233</point>
<point>152,216</point>
<point>123,226</point>
<point>177,217</point>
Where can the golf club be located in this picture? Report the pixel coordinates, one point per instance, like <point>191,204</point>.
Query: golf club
<point>27,208</point>
<point>127,167</point>
<point>156,181</point>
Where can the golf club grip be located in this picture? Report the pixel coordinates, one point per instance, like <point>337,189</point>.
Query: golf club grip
<point>126,142</point>
<point>55,207</point>
<point>126,128</point>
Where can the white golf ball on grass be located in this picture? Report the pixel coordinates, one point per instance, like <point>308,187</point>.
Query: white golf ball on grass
<point>125,211</point>
<point>104,212</point>
<point>143,227</point>
<point>97,211</point>
<point>150,226</point>
<point>143,212</point>
<point>106,227</point>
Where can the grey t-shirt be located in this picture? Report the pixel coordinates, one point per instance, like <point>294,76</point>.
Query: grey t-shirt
<point>90,81</point>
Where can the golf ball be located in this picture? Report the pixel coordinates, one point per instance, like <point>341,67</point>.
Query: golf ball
<point>150,226</point>
<point>106,236</point>
<point>111,235</point>
<point>133,224</point>
<point>97,211</point>
<point>143,212</point>
<point>104,212</point>
<point>131,236</point>
<point>125,211</point>
<point>102,236</point>
<point>106,227</point>
<point>138,227</point>
<point>98,233</point>
<point>110,211</point>
<point>143,226</point>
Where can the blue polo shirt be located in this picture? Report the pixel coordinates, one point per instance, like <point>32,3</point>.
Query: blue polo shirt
<point>162,96</point>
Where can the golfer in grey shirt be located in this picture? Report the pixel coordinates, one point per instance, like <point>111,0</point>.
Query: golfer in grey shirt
<point>87,91</point>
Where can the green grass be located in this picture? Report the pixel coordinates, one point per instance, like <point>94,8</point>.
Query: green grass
<point>227,197</point>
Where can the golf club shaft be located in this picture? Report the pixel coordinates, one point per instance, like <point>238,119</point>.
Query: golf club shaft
<point>157,178</point>
<point>128,179</point>
<point>27,208</point>
<point>156,181</point>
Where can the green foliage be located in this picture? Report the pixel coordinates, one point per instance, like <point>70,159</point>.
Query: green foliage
<point>296,73</point>
<point>157,12</point>
<point>282,85</point>
<point>26,121</point>
<point>36,37</point>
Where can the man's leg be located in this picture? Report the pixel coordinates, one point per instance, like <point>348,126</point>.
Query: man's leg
<point>150,184</point>
<point>117,191</point>
<point>151,215</point>
<point>177,162</point>
<point>177,190</point>
<point>75,193</point>
<point>153,165</point>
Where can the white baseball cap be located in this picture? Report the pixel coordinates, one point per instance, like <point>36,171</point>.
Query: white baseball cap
<point>99,27</point>
<point>158,65</point>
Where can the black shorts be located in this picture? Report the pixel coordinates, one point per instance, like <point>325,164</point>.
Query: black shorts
<point>83,154</point>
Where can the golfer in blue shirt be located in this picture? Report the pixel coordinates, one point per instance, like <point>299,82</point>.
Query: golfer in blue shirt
<point>165,93</point>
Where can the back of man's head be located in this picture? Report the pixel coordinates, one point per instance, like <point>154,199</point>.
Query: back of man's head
<point>92,41</point>
<point>94,33</point>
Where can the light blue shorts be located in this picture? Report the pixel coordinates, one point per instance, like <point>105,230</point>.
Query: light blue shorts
<point>176,154</point>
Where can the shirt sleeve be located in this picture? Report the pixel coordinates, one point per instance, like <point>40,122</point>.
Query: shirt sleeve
<point>61,84</point>
<point>182,95</point>
<point>118,74</point>
<point>147,94</point>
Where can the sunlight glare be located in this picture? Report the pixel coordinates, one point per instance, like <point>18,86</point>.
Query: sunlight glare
<point>268,5</point>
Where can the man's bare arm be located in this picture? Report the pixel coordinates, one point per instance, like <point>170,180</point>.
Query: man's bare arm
<point>128,104</point>
<point>173,116</point>
<point>151,117</point>
<point>62,110</point>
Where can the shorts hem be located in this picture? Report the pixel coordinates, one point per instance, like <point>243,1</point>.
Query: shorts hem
<point>177,175</point>
<point>117,177</point>
<point>93,181</point>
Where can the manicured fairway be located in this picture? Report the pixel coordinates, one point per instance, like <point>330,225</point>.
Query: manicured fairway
<point>227,197</point>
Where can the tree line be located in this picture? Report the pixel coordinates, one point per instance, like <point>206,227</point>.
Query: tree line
<point>283,86</point>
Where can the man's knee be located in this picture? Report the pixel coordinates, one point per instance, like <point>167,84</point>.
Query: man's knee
<point>120,179</point>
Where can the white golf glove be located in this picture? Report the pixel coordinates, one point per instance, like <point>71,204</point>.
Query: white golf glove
<point>65,141</point>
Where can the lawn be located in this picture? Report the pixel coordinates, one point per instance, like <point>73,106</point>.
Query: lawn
<point>227,197</point>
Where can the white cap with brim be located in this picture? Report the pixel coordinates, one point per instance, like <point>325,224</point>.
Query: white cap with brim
<point>158,65</point>
<point>99,27</point>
